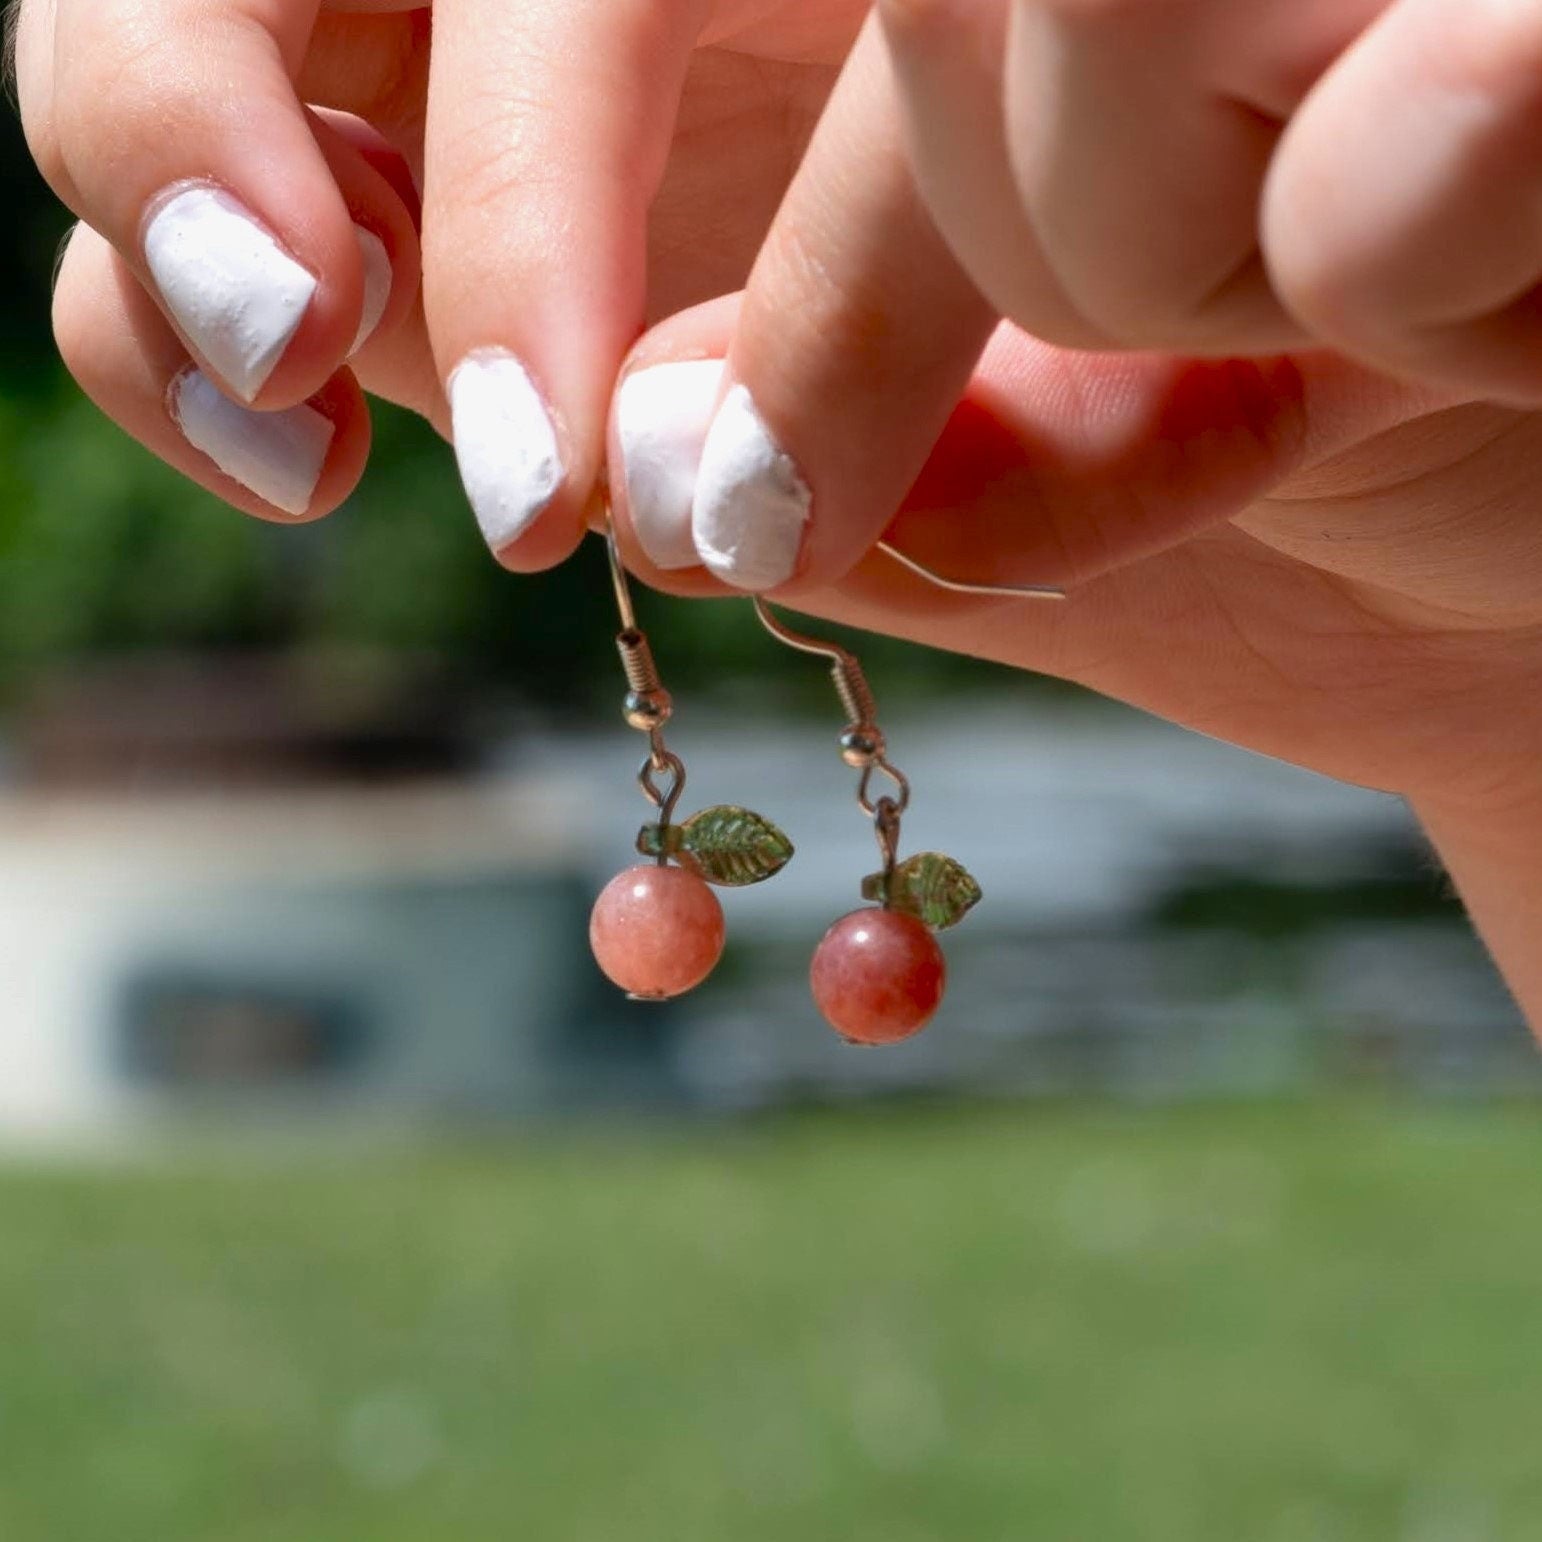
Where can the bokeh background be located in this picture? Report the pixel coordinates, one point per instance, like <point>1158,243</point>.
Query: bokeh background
<point>340,1199</point>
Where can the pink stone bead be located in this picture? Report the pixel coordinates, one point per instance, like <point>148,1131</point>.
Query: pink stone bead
<point>656,931</point>
<point>878,976</point>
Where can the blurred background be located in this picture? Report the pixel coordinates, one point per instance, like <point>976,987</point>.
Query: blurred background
<point>341,1199</point>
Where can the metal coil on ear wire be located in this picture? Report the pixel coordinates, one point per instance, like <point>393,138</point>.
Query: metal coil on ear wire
<point>648,705</point>
<point>855,693</point>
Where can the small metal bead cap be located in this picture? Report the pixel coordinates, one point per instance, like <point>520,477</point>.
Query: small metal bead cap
<point>862,744</point>
<point>647,710</point>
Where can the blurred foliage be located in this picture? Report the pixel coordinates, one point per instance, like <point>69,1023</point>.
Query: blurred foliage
<point>1292,1325</point>
<point>1277,908</point>
<point>104,550</point>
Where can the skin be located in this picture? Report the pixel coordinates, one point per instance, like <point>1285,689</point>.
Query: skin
<point>638,168</point>
<point>995,306</point>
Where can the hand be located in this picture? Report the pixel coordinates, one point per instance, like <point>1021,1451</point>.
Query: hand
<point>1241,176</point>
<point>537,133</point>
<point>1291,555</point>
<point>1300,554</point>
<point>1198,177</point>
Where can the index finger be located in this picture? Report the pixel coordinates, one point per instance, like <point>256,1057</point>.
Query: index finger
<point>549,125</point>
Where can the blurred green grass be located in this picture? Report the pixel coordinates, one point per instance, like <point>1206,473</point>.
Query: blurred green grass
<point>1313,1322</point>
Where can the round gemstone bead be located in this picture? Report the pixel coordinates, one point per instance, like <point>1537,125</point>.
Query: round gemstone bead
<point>656,931</point>
<point>878,976</point>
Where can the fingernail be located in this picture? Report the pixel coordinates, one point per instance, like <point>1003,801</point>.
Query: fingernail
<point>277,455</point>
<point>751,501</point>
<point>234,291</point>
<point>505,444</point>
<point>662,417</point>
<point>377,284</point>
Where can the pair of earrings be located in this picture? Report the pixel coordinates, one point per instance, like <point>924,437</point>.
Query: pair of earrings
<point>656,930</point>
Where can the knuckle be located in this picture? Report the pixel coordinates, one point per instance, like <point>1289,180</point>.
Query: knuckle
<point>488,174</point>
<point>116,112</point>
<point>808,311</point>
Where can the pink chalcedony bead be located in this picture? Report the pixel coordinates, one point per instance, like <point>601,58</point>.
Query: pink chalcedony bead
<point>656,931</point>
<point>878,976</point>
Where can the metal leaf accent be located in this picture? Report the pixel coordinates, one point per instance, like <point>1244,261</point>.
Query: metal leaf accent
<point>929,886</point>
<point>726,845</point>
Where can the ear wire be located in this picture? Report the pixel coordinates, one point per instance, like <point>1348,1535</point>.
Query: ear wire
<point>648,705</point>
<point>965,586</point>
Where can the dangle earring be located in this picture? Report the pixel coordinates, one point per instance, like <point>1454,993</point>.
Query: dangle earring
<point>657,929</point>
<point>878,974</point>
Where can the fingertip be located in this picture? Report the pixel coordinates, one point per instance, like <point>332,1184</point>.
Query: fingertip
<point>368,283</point>
<point>291,465</point>
<point>1393,219</point>
<point>661,417</point>
<point>702,476</point>
<point>535,243</point>
<point>660,412</point>
<point>546,545</point>
<point>515,461</point>
<point>232,287</point>
<point>752,507</point>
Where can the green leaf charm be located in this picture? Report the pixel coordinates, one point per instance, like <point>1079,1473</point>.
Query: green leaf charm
<point>933,888</point>
<point>726,845</point>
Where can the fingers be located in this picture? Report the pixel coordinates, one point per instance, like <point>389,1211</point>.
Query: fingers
<point>1139,177</point>
<point>549,126</point>
<point>297,462</point>
<point>1122,477</point>
<point>854,338</point>
<point>1400,220</point>
<point>391,355</point>
<point>1055,466</point>
<point>947,58</point>
<point>171,127</point>
<point>1096,164</point>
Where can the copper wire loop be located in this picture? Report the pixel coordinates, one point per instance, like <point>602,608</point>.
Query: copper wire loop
<point>647,705</point>
<point>662,762</point>
<point>901,784</point>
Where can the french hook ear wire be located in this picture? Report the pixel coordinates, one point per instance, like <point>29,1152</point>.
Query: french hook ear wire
<point>863,745</point>
<point>964,586</point>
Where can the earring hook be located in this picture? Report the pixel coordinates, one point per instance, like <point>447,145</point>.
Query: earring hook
<point>964,586</point>
<point>618,573</point>
<point>863,745</point>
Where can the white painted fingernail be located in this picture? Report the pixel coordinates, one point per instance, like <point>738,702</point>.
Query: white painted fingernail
<point>234,291</point>
<point>662,417</point>
<point>504,442</point>
<point>751,503</point>
<point>377,284</point>
<point>277,455</point>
